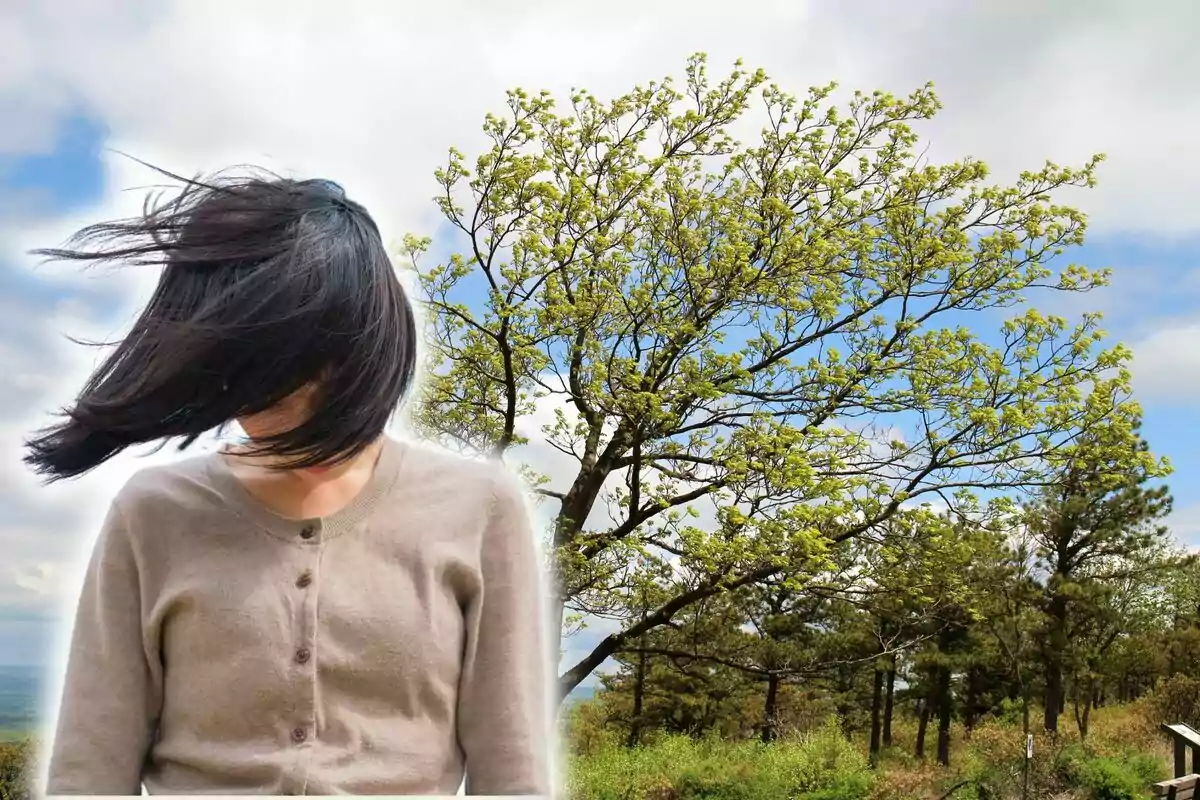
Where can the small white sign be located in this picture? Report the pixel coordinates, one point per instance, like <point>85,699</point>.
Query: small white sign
<point>1029,746</point>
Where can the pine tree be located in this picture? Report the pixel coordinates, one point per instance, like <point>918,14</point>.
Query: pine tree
<point>1098,523</point>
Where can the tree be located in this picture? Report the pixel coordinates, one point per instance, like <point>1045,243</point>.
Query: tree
<point>752,644</point>
<point>1182,601</point>
<point>952,557</point>
<point>1010,614</point>
<point>728,323</point>
<point>686,677</point>
<point>15,761</point>
<point>1098,527</point>
<point>919,588</point>
<point>789,630</point>
<point>1127,604</point>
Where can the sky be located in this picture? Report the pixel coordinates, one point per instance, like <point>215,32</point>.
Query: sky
<point>372,94</point>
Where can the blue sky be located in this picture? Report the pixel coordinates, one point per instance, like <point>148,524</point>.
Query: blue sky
<point>356,99</point>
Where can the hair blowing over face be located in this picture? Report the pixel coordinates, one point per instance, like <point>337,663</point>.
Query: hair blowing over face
<point>268,285</point>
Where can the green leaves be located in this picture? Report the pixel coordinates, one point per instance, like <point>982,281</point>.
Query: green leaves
<point>731,323</point>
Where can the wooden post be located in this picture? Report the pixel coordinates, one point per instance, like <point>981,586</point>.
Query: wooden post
<point>1184,738</point>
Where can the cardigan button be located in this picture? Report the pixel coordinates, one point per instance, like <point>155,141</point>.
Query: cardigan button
<point>299,735</point>
<point>307,532</point>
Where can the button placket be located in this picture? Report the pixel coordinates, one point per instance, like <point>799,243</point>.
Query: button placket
<point>303,655</point>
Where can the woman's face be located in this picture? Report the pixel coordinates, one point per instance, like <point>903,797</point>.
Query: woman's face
<point>286,415</point>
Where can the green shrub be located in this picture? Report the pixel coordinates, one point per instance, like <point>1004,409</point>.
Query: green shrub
<point>709,782</point>
<point>1177,700</point>
<point>844,787</point>
<point>824,765</point>
<point>1009,712</point>
<point>1147,768</point>
<point>1110,779</point>
<point>821,765</point>
<point>16,758</point>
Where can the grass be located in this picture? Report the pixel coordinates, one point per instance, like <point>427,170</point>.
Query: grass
<point>821,765</point>
<point>1123,755</point>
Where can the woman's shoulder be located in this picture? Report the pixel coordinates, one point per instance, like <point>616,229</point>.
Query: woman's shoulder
<point>484,495</point>
<point>167,487</point>
<point>469,477</point>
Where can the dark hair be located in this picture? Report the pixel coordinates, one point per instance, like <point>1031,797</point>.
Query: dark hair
<point>269,285</point>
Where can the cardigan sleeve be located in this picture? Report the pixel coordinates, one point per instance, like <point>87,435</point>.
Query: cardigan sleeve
<point>504,707</point>
<point>112,688</point>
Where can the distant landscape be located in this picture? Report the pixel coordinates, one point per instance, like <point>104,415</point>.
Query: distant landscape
<point>19,692</point>
<point>581,693</point>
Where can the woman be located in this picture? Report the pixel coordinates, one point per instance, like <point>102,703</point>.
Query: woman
<point>322,609</point>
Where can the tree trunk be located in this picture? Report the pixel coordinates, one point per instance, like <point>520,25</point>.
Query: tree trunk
<point>943,742</point>
<point>1055,652</point>
<point>1083,698</point>
<point>1054,694</point>
<point>889,704</point>
<point>876,716</point>
<point>770,709</point>
<point>844,685</point>
<point>927,707</point>
<point>971,701</point>
<point>945,702</point>
<point>639,695</point>
<point>922,726</point>
<point>1082,711</point>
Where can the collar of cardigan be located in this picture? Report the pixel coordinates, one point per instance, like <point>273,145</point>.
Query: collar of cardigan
<point>312,530</point>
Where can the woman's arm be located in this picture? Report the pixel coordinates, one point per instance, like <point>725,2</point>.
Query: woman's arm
<point>112,692</point>
<point>504,702</point>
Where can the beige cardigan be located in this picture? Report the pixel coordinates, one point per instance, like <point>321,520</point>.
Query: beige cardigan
<point>222,649</point>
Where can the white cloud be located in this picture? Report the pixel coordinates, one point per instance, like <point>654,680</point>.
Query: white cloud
<point>1184,522</point>
<point>42,578</point>
<point>374,97</point>
<point>1166,364</point>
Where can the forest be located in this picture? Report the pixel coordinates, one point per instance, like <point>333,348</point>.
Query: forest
<point>934,650</point>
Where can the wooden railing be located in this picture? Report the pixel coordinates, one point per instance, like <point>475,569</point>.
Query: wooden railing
<point>1184,739</point>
